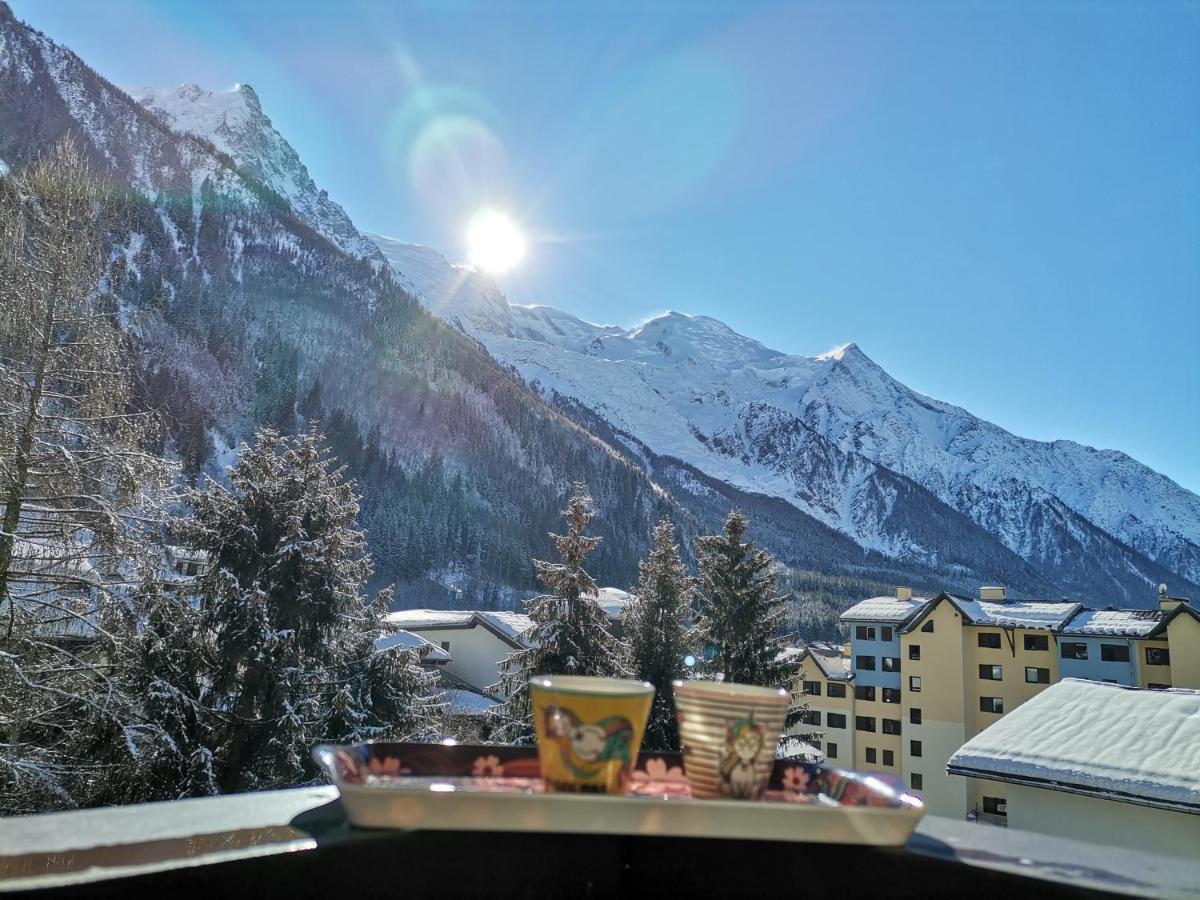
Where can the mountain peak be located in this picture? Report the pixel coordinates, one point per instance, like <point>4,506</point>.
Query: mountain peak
<point>839,353</point>
<point>250,96</point>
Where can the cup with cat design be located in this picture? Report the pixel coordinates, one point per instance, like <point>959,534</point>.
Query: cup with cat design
<point>729,733</point>
<point>589,730</point>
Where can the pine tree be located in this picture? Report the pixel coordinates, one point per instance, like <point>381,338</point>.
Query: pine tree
<point>570,633</point>
<point>656,630</point>
<point>739,611</point>
<point>277,650</point>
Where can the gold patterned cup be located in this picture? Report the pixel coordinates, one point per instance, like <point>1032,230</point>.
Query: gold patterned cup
<point>729,733</point>
<point>589,730</point>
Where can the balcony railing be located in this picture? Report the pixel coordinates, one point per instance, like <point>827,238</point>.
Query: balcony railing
<point>297,843</point>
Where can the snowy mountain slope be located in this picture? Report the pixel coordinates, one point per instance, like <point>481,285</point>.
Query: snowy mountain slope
<point>234,122</point>
<point>827,434</point>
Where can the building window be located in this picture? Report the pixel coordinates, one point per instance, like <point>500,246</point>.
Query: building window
<point>864,723</point>
<point>812,688</point>
<point>914,651</point>
<point>928,627</point>
<point>889,757</point>
<point>831,751</point>
<point>192,569</point>
<point>836,690</point>
<point>885,633</point>
<point>995,806</point>
<point>914,748</point>
<point>1037,642</point>
<point>871,755</point>
<point>989,639</point>
<point>891,726</point>
<point>1034,675</point>
<point>891,663</point>
<point>991,704</point>
<point>914,716</point>
<point>864,632</point>
<point>1158,656</point>
<point>991,673</point>
<point>866,663</point>
<point>891,695</point>
<point>813,717</point>
<point>914,683</point>
<point>1071,650</point>
<point>864,692</point>
<point>1114,652</point>
<point>835,720</point>
<point>916,781</point>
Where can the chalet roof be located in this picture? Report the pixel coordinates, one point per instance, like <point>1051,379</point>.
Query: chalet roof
<point>509,626</point>
<point>1095,738</point>
<point>427,650</point>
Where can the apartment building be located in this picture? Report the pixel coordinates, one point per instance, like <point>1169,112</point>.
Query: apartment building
<point>922,676</point>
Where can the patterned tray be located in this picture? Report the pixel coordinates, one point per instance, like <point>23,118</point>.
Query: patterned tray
<point>490,788</point>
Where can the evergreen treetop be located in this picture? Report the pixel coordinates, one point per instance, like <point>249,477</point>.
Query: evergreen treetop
<point>656,631</point>
<point>739,612</point>
<point>570,634</point>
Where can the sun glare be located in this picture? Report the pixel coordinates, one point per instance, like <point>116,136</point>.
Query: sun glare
<point>494,241</point>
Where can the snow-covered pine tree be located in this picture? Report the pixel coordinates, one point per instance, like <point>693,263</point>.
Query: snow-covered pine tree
<point>570,634</point>
<point>739,612</point>
<point>78,489</point>
<point>275,648</point>
<point>656,631</point>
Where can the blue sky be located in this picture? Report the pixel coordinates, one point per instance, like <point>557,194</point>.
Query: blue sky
<point>1000,203</point>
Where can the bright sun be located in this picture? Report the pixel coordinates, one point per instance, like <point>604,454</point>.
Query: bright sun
<point>494,241</point>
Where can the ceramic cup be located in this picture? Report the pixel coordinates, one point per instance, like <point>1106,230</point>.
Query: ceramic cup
<point>589,730</point>
<point>729,732</point>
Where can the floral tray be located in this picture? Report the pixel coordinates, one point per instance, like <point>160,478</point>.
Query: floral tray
<point>461,787</point>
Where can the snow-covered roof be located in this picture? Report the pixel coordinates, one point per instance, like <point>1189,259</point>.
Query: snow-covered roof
<point>510,625</point>
<point>884,609</point>
<point>1124,622</point>
<point>1089,737</point>
<point>613,601</point>
<point>1043,614</point>
<point>426,618</point>
<point>791,747</point>
<point>429,651</point>
<point>462,702</point>
<point>513,624</point>
<point>835,667</point>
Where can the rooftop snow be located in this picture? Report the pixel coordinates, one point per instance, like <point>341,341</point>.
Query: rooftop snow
<point>428,651</point>
<point>1044,614</point>
<point>613,601</point>
<point>1125,744</point>
<point>424,618</point>
<point>461,702</point>
<point>510,624</point>
<point>1130,622</point>
<point>883,609</point>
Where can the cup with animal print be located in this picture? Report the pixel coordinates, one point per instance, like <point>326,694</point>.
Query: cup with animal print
<point>729,732</point>
<point>589,730</point>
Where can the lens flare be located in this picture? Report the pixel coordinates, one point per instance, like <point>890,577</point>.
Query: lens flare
<point>494,242</point>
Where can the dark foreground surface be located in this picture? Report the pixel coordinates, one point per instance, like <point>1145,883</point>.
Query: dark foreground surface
<point>296,843</point>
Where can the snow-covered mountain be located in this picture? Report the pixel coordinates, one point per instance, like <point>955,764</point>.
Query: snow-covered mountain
<point>831,434</point>
<point>234,122</point>
<point>247,309</point>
